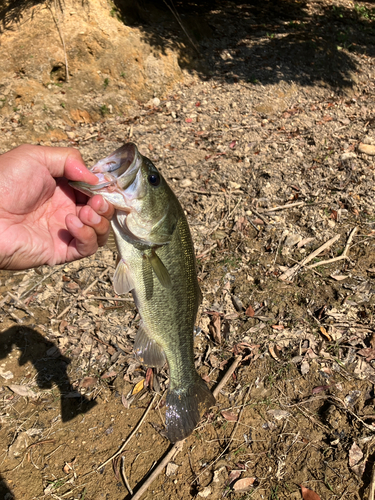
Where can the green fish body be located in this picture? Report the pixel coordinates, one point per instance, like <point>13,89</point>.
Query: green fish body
<point>157,264</point>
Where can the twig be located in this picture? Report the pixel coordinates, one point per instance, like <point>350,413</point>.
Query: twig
<point>176,15</point>
<point>344,254</point>
<point>176,448</point>
<point>119,299</point>
<point>294,270</point>
<point>371,491</point>
<point>118,452</point>
<point>83,293</point>
<point>207,251</point>
<point>284,207</point>
<point>56,269</point>
<point>61,34</point>
<point>125,479</point>
<point>21,304</point>
<point>226,377</point>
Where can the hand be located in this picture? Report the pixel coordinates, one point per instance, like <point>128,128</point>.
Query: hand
<point>43,220</point>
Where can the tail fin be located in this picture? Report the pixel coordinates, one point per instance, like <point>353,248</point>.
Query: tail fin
<point>185,407</point>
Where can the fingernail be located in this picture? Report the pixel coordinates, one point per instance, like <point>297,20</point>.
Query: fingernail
<point>103,207</point>
<point>77,223</point>
<point>94,218</point>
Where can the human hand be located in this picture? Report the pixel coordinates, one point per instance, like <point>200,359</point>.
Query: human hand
<point>43,220</point>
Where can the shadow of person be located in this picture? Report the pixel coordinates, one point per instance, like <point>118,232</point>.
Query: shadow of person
<point>50,364</point>
<point>51,368</point>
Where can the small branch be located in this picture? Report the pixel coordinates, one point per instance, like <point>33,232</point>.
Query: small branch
<point>83,293</point>
<point>294,270</point>
<point>176,448</point>
<point>344,254</point>
<point>226,377</point>
<point>207,251</point>
<point>125,479</point>
<point>284,207</point>
<point>371,491</point>
<point>134,431</point>
<point>177,17</point>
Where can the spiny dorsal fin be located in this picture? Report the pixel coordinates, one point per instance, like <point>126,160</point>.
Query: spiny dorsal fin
<point>122,280</point>
<point>147,350</point>
<point>159,269</point>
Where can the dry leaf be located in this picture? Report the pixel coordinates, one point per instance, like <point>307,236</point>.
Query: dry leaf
<point>278,327</point>
<point>234,474</point>
<point>272,352</point>
<point>338,277</point>
<point>23,390</point>
<point>250,312</point>
<point>88,382</point>
<point>368,353</point>
<point>138,387</point>
<point>305,367</point>
<point>229,416</point>
<point>244,484</point>
<point>309,494</point>
<point>355,454</point>
<point>109,374</point>
<point>215,327</point>
<point>324,332</point>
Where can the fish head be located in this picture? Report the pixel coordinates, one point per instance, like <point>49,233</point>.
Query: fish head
<point>145,205</point>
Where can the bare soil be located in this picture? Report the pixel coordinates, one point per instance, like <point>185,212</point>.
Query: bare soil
<point>264,150</point>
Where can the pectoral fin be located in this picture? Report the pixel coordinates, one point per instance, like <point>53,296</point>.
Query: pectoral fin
<point>159,269</point>
<point>122,280</point>
<point>147,350</point>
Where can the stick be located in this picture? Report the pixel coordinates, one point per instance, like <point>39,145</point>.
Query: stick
<point>226,377</point>
<point>344,253</point>
<point>125,479</point>
<point>207,251</point>
<point>293,270</point>
<point>176,448</point>
<point>371,491</point>
<point>284,207</point>
<point>130,435</point>
<point>83,293</point>
<point>176,15</point>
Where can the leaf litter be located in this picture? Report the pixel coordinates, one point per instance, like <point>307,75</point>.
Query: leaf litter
<point>274,179</point>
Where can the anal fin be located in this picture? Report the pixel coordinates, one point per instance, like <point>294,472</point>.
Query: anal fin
<point>147,350</point>
<point>122,280</point>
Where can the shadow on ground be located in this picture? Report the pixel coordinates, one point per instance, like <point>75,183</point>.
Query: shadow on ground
<point>258,41</point>
<point>254,41</point>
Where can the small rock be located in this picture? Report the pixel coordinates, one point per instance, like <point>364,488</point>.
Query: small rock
<point>185,183</point>
<point>234,185</point>
<point>205,492</point>
<point>156,101</point>
<point>171,469</point>
<point>367,149</point>
<point>292,239</point>
<point>6,374</point>
<point>348,155</point>
<point>19,445</point>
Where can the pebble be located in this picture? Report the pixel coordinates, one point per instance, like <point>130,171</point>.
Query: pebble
<point>186,183</point>
<point>205,492</point>
<point>348,156</point>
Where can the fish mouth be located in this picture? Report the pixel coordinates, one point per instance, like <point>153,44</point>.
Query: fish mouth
<point>116,172</point>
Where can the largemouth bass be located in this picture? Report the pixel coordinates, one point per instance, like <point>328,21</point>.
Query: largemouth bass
<point>157,264</point>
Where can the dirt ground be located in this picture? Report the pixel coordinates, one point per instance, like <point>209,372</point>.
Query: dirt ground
<point>271,153</point>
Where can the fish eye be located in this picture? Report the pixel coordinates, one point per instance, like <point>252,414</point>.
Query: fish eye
<point>154,179</point>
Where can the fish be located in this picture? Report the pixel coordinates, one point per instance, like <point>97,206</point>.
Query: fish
<point>156,263</point>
